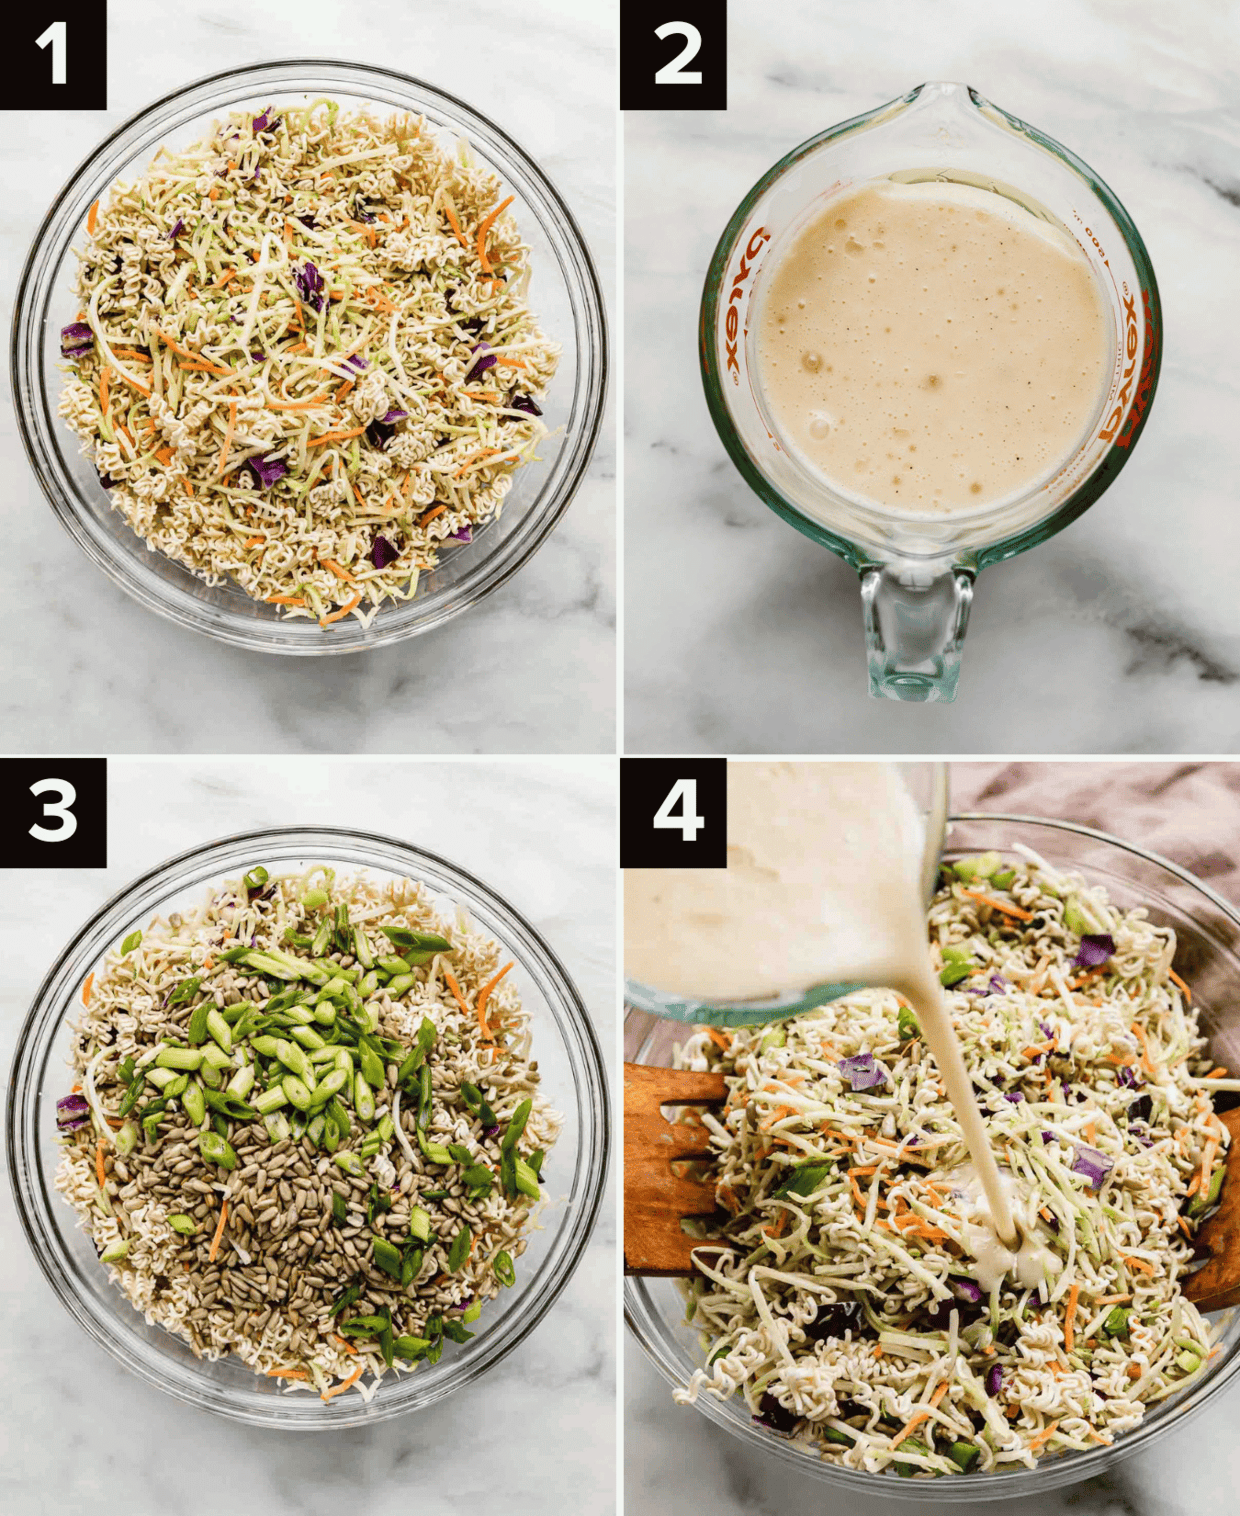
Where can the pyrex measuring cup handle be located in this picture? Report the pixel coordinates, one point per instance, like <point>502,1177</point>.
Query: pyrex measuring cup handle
<point>914,630</point>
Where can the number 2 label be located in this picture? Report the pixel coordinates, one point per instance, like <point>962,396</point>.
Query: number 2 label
<point>674,72</point>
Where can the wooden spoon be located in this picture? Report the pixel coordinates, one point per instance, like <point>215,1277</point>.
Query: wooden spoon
<point>1216,1286</point>
<point>655,1198</point>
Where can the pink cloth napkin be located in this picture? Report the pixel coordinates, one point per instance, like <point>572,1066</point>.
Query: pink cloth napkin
<point>1188,812</point>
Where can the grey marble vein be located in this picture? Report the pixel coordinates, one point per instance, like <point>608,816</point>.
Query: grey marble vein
<point>1119,635</point>
<point>531,669</point>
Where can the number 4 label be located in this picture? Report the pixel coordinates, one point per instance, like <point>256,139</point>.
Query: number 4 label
<point>689,823</point>
<point>673,813</point>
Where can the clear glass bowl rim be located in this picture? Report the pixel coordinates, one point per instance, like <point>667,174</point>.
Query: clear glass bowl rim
<point>341,845</point>
<point>1052,1474</point>
<point>37,420</point>
<point>974,559</point>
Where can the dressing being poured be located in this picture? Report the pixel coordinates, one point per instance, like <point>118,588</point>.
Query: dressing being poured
<point>823,885</point>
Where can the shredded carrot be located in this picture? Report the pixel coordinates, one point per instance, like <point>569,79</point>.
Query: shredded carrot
<point>345,388</point>
<point>104,376</point>
<point>134,357</point>
<point>1207,1163</point>
<point>340,573</point>
<point>780,1227</point>
<point>1179,983</point>
<point>228,435</point>
<point>344,1384</point>
<point>1182,1222</point>
<point>720,1039</point>
<point>430,515</point>
<point>484,228</point>
<point>345,1344</point>
<point>335,436</point>
<point>219,1232</point>
<point>450,980</point>
<point>483,452</point>
<point>1111,1299</point>
<point>229,273</point>
<point>1194,1186</point>
<point>1137,1263</point>
<point>164,454</point>
<point>286,1374</point>
<point>286,600</point>
<point>999,905</point>
<point>511,362</point>
<point>878,1351</point>
<point>778,1114</point>
<point>1045,1213</point>
<point>1218,1073</point>
<point>1074,1294</point>
<point>856,1189</point>
<point>297,405</point>
<point>455,225</point>
<point>1043,1436</point>
<point>480,1005</point>
<point>938,1394</point>
<point>255,541</point>
<point>200,365</point>
<point>1147,1063</point>
<point>915,1420</point>
<point>342,612</point>
<point>99,1169</point>
<point>92,216</point>
<point>90,979</point>
<point>76,1090</point>
<point>1091,1133</point>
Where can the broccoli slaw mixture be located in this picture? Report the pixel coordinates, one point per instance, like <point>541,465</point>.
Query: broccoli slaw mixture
<point>304,359</point>
<point>849,1307</point>
<point>307,1128</point>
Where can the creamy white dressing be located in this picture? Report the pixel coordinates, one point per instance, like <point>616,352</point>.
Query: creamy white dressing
<point>822,886</point>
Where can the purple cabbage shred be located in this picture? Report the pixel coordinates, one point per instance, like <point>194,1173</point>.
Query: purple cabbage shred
<point>966,1289</point>
<point>861,1072</point>
<point>1093,1164</point>
<point>268,470</point>
<point>176,230</point>
<point>262,124</point>
<point>356,361</point>
<point>1014,1097</point>
<point>310,286</point>
<point>994,1379</point>
<point>464,535</point>
<point>1047,1137</point>
<point>998,984</point>
<point>71,1113</point>
<point>382,553</point>
<point>76,339</point>
<point>1127,1078</point>
<point>1096,948</point>
<point>481,364</point>
<point>360,212</point>
<point>524,403</point>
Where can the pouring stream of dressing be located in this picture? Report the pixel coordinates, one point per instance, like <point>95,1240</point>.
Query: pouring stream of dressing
<point>823,885</point>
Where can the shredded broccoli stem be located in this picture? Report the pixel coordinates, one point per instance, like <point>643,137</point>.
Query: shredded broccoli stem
<point>850,1304</point>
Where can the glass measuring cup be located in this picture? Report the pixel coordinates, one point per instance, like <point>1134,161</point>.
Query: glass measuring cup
<point>928,785</point>
<point>917,571</point>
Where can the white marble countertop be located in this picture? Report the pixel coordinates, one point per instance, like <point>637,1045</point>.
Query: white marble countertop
<point>531,669</point>
<point>1118,635</point>
<point>542,833</point>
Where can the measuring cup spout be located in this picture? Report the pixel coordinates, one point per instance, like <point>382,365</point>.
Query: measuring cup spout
<point>915,621</point>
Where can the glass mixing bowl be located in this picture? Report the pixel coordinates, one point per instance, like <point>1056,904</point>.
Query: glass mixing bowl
<point>564,293</point>
<point>1208,957</point>
<point>569,1058</point>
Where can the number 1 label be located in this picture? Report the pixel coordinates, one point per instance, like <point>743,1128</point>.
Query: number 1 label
<point>57,57</point>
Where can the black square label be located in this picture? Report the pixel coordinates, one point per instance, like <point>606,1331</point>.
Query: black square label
<point>54,813</point>
<point>673,813</point>
<point>673,55</point>
<point>57,57</point>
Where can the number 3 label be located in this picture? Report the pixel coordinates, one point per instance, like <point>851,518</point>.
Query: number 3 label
<point>673,72</point>
<point>55,809</point>
<point>688,823</point>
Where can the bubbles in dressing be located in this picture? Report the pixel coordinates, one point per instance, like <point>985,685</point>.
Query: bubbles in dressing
<point>959,344</point>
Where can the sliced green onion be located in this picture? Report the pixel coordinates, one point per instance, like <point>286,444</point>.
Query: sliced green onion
<point>130,943</point>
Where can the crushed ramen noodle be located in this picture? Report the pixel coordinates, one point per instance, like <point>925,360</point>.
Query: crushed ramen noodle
<point>307,1129</point>
<point>847,1307</point>
<point>303,359</point>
